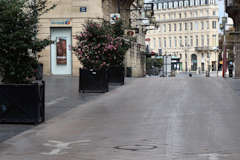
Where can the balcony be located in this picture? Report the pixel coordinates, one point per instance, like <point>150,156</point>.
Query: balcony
<point>204,49</point>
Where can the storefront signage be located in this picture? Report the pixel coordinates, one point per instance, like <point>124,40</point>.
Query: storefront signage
<point>61,21</point>
<point>83,9</point>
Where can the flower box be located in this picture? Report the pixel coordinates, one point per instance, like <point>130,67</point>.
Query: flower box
<point>22,103</point>
<point>116,75</point>
<point>93,81</point>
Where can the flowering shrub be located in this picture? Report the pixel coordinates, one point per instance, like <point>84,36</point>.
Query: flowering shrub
<point>98,47</point>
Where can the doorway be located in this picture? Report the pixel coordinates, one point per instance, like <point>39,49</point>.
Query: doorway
<point>61,55</point>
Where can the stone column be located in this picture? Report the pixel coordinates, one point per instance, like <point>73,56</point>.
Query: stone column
<point>237,59</point>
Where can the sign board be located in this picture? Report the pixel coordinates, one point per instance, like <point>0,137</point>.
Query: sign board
<point>148,6</point>
<point>114,17</point>
<point>61,21</point>
<point>83,9</point>
<point>129,32</point>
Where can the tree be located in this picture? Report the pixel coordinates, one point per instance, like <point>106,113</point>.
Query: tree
<point>18,39</point>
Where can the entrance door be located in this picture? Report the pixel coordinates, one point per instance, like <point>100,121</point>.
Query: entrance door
<point>61,56</point>
<point>194,62</point>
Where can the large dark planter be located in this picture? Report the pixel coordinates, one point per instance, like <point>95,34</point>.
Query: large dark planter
<point>22,103</point>
<point>116,75</point>
<point>93,81</point>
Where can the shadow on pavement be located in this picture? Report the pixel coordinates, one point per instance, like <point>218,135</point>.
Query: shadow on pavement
<point>61,95</point>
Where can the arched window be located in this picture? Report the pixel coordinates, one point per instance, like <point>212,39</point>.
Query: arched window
<point>196,2</point>
<point>170,5</point>
<point>191,2</point>
<point>175,4</point>
<point>180,3</point>
<point>164,5</point>
<point>160,6</point>
<point>202,2</point>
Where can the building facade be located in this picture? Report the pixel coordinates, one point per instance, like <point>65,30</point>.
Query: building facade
<point>187,29</point>
<point>65,21</point>
<point>233,9</point>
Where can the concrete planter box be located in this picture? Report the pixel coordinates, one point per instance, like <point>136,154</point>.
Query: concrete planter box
<point>22,103</point>
<point>93,81</point>
<point>116,75</point>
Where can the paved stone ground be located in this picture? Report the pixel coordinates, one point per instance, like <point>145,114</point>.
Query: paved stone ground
<point>61,95</point>
<point>177,118</point>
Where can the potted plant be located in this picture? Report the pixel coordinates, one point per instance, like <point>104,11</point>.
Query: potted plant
<point>116,72</point>
<point>92,52</point>
<point>22,97</point>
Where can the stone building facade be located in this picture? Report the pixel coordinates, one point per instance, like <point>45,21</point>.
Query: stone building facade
<point>188,29</point>
<point>65,21</point>
<point>233,10</point>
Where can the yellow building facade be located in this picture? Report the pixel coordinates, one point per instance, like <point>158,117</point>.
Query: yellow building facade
<point>187,30</point>
<point>64,22</point>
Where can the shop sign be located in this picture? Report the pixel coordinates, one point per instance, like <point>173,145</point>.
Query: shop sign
<point>83,9</point>
<point>61,21</point>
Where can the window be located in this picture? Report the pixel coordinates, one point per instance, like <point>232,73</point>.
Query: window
<point>164,28</point>
<point>175,4</point>
<point>155,6</point>
<point>191,2</point>
<point>186,27</point>
<point>202,40</point>
<point>175,42</point>
<point>169,27</point>
<point>207,24</point>
<point>180,15</point>
<point>180,41</point>
<point>212,1</point>
<point>170,4</point>
<point>159,5</point>
<point>197,2</point>
<point>154,43</point>
<point>181,4</point>
<point>191,40</point>
<point>186,41</point>
<point>170,42</point>
<point>159,43</point>
<point>165,42</point>
<point>202,25</point>
<point>175,27</point>
<point>180,26</point>
<point>196,25</point>
<point>214,39</point>
<point>164,16</point>
<point>208,41</point>
<point>186,3</point>
<point>214,24</point>
<point>165,5</point>
<point>196,41</point>
<point>214,13</point>
<point>202,2</point>
<point>196,13</point>
<point>191,26</point>
<point>185,14</point>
